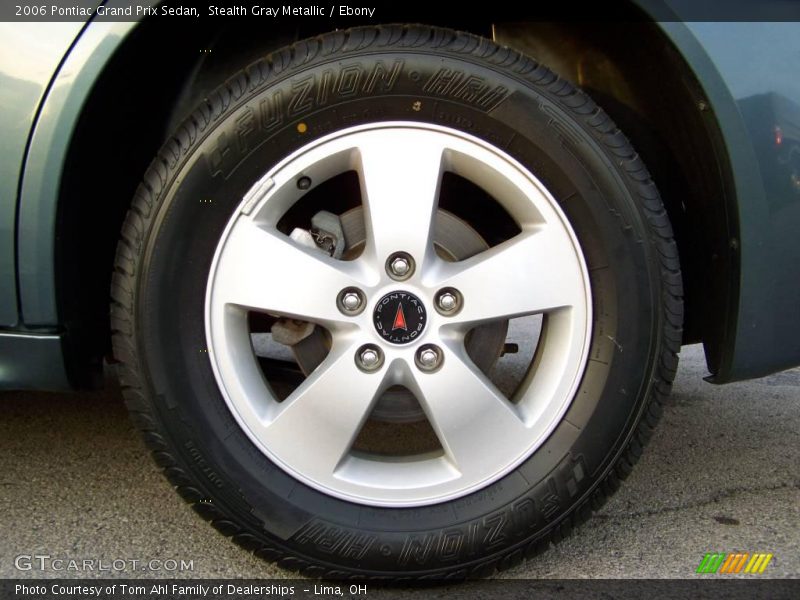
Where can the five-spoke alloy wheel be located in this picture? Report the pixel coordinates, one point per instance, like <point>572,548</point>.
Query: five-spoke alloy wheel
<point>396,302</point>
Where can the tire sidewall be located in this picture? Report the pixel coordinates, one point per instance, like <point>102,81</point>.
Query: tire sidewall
<point>203,192</point>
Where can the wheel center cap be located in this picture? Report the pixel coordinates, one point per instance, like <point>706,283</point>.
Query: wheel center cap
<point>399,317</point>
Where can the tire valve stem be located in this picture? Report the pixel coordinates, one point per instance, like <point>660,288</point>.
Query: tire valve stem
<point>509,349</point>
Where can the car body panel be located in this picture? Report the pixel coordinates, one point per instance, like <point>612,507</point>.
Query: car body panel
<point>32,361</point>
<point>35,51</point>
<point>762,327</point>
<point>43,168</point>
<point>765,334</point>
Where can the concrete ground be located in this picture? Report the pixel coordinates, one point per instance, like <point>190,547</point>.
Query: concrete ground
<point>722,473</point>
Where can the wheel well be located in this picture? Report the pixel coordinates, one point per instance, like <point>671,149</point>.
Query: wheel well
<point>635,74</point>
<point>158,72</point>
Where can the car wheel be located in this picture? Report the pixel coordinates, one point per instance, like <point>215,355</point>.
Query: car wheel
<point>396,301</point>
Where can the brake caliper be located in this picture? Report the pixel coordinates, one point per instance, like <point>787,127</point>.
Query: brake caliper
<point>326,235</point>
<point>326,228</point>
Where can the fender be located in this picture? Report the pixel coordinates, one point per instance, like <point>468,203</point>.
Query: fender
<point>23,89</point>
<point>39,192</point>
<point>762,330</point>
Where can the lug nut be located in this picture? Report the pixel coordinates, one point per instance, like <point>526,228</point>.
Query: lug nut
<point>429,358</point>
<point>448,301</point>
<point>351,301</point>
<point>369,358</point>
<point>400,266</point>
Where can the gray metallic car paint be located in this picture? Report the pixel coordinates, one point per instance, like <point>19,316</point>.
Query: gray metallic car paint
<point>764,328</point>
<point>758,62</point>
<point>48,147</point>
<point>26,70</point>
<point>32,361</point>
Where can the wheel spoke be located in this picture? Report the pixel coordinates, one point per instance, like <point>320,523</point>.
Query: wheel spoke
<point>400,174</point>
<point>317,423</point>
<point>475,423</point>
<point>264,270</point>
<point>534,272</point>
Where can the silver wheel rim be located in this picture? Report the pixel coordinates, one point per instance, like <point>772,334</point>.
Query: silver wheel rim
<point>483,434</point>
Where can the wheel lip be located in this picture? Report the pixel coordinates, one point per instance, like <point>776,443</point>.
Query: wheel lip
<point>262,188</point>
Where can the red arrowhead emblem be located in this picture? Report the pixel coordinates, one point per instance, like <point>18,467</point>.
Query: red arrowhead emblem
<point>399,319</point>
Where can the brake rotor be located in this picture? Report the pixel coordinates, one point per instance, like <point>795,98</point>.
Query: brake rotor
<point>454,240</point>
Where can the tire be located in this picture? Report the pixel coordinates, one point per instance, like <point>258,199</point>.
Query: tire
<point>190,386</point>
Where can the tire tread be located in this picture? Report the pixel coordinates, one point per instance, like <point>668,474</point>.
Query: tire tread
<point>140,219</point>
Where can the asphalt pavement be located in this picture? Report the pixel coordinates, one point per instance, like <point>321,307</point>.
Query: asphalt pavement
<point>721,474</point>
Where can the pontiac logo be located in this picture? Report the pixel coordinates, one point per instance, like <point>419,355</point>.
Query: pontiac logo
<point>399,317</point>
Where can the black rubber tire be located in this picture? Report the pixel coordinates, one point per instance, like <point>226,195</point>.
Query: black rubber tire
<point>359,76</point>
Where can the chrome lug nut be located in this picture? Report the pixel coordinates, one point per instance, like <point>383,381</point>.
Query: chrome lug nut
<point>429,358</point>
<point>351,301</point>
<point>448,301</point>
<point>369,358</point>
<point>400,266</point>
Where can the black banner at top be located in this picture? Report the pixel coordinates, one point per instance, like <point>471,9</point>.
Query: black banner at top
<point>382,11</point>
